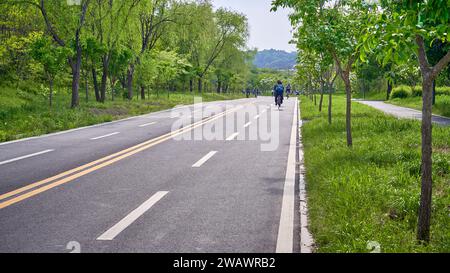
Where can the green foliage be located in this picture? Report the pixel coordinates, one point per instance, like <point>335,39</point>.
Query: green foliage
<point>401,92</point>
<point>443,90</point>
<point>52,58</point>
<point>371,192</point>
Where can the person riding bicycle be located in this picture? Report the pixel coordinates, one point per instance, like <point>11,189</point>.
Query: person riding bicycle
<point>278,90</point>
<point>288,90</point>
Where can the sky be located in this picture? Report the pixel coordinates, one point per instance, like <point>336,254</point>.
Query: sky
<point>267,29</point>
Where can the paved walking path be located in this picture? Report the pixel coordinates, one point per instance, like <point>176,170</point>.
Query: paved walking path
<point>403,112</point>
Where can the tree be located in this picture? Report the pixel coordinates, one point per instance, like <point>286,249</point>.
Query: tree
<point>232,29</point>
<point>402,27</point>
<point>65,29</point>
<point>92,52</point>
<point>108,20</point>
<point>151,22</point>
<point>335,26</point>
<point>52,59</point>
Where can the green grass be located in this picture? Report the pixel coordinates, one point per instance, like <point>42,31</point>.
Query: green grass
<point>25,113</point>
<point>371,192</point>
<point>442,106</point>
<point>371,96</point>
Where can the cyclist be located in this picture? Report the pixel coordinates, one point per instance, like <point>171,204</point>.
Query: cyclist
<point>288,90</point>
<point>278,90</point>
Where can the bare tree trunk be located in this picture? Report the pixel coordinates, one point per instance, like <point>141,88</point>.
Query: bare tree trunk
<point>86,85</point>
<point>330,100</point>
<point>76,67</point>
<point>200,86</point>
<point>96,90</point>
<point>423,233</point>
<point>191,85</point>
<point>113,89</point>
<point>105,65</point>
<point>130,73</point>
<point>389,90</point>
<point>142,92</point>
<point>219,86</point>
<point>434,92</point>
<point>321,96</point>
<point>348,118</point>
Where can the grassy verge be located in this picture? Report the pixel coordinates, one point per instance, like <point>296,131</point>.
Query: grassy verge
<point>371,96</point>
<point>24,113</point>
<point>371,192</point>
<point>442,106</point>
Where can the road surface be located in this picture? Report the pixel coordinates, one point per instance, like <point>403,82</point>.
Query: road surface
<point>133,186</point>
<point>403,112</point>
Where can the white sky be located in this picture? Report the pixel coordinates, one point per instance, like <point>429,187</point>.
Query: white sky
<point>267,29</point>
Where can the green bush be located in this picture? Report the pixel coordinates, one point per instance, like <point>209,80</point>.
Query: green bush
<point>443,90</point>
<point>401,92</point>
<point>417,91</point>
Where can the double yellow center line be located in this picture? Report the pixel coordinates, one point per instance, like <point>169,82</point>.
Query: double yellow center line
<point>70,175</point>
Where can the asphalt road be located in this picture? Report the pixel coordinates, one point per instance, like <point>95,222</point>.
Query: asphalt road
<point>404,112</point>
<point>134,186</point>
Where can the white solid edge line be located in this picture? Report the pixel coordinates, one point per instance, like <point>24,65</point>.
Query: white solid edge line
<point>108,135</point>
<point>111,233</point>
<point>202,161</point>
<point>285,240</point>
<point>147,124</point>
<point>233,136</point>
<point>25,156</point>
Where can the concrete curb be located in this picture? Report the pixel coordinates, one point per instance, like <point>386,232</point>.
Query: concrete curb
<point>307,244</point>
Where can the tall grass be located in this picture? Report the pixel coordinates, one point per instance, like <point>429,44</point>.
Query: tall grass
<point>371,192</point>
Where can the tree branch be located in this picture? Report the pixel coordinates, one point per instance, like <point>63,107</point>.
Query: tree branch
<point>422,54</point>
<point>440,65</point>
<point>49,25</point>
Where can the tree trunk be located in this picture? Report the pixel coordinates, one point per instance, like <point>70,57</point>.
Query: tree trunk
<point>423,232</point>
<point>86,85</point>
<point>219,86</point>
<point>142,92</point>
<point>200,85</point>
<point>96,90</point>
<point>434,92</point>
<point>76,67</point>
<point>105,65</point>
<point>130,73</point>
<point>330,100</point>
<point>389,90</point>
<point>321,97</point>
<point>191,85</point>
<point>50,97</point>
<point>348,118</point>
<point>113,89</point>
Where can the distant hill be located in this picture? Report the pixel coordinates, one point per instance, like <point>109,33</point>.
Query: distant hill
<point>275,59</point>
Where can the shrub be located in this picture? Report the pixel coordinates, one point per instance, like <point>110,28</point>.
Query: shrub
<point>443,90</point>
<point>401,92</point>
<point>417,91</point>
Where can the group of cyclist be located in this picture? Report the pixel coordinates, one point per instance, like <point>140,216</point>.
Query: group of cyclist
<point>278,92</point>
